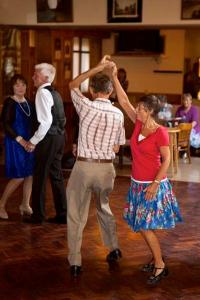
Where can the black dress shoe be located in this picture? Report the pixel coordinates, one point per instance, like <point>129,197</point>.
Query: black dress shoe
<point>154,279</point>
<point>149,267</point>
<point>75,270</point>
<point>113,256</point>
<point>58,220</point>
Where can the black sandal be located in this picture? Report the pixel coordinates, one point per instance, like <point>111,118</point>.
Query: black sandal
<point>154,279</point>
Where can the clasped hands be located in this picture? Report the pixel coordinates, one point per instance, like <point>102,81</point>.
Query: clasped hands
<point>106,63</point>
<point>27,145</point>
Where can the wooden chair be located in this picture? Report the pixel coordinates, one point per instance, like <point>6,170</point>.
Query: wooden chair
<point>183,142</point>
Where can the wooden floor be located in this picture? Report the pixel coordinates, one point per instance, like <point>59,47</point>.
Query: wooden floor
<point>33,262</point>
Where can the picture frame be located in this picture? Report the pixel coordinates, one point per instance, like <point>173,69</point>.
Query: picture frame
<point>54,11</point>
<point>124,11</point>
<point>190,9</point>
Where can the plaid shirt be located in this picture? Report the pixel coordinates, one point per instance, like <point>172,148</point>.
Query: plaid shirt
<point>101,126</point>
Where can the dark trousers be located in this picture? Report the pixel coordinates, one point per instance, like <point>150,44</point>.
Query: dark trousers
<point>48,155</point>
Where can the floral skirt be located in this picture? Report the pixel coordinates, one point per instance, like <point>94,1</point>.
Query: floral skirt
<point>158,213</point>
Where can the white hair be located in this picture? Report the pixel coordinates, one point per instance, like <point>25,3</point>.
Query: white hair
<point>47,70</point>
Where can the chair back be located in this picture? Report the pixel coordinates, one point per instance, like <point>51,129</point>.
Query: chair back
<point>184,135</point>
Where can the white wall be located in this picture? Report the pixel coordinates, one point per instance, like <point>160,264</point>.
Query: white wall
<point>94,12</point>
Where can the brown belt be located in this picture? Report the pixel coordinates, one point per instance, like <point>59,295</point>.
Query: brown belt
<point>101,161</point>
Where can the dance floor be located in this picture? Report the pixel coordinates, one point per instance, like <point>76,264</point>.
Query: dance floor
<point>34,258</point>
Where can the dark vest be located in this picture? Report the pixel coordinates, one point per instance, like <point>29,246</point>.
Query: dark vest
<point>58,113</point>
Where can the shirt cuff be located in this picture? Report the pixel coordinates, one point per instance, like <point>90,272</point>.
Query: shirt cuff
<point>34,140</point>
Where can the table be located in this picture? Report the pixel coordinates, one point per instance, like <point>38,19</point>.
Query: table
<point>173,131</point>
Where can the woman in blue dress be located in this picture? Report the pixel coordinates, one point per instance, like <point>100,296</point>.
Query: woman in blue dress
<point>17,118</point>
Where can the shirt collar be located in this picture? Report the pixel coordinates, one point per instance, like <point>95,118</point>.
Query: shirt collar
<point>104,100</point>
<point>44,84</point>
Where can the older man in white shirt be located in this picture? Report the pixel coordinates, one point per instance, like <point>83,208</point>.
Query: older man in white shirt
<point>48,142</point>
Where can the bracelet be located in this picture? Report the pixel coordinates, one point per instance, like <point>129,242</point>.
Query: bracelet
<point>156,181</point>
<point>19,138</point>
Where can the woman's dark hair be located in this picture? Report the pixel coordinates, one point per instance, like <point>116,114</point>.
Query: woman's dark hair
<point>152,103</point>
<point>101,83</point>
<point>14,80</point>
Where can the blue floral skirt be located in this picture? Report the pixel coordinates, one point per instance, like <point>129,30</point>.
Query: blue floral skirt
<point>160,212</point>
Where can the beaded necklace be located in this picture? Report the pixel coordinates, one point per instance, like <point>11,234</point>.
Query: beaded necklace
<point>24,100</point>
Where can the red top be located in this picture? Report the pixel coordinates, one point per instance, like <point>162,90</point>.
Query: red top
<point>146,153</point>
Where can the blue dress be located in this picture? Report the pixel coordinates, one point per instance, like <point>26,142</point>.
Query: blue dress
<point>18,162</point>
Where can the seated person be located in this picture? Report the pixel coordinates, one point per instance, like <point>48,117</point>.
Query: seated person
<point>189,114</point>
<point>165,112</point>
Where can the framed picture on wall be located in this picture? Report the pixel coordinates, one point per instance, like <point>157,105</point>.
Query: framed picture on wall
<point>190,10</point>
<point>54,11</point>
<point>124,11</point>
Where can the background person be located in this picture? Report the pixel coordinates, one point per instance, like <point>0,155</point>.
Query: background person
<point>122,76</point>
<point>17,117</point>
<point>101,131</point>
<point>189,114</point>
<point>165,112</point>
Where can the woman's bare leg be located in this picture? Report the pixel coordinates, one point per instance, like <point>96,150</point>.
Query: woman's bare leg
<point>27,189</point>
<point>11,186</point>
<point>154,245</point>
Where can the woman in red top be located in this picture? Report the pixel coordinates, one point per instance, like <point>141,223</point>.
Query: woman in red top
<point>151,203</point>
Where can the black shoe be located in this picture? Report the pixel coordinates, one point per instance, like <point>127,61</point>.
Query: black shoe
<point>148,267</point>
<point>75,270</point>
<point>113,256</point>
<point>155,279</point>
<point>58,220</point>
<point>33,220</point>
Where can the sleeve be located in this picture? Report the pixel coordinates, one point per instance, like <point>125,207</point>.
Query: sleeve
<point>77,97</point>
<point>162,137</point>
<point>79,100</point>
<point>120,137</point>
<point>8,117</point>
<point>177,114</point>
<point>43,104</point>
<point>195,115</point>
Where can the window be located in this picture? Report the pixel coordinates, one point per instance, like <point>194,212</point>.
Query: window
<point>81,59</point>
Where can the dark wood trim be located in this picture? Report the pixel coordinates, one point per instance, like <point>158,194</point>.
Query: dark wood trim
<point>106,28</point>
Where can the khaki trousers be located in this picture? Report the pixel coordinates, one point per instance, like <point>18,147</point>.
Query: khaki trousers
<point>88,177</point>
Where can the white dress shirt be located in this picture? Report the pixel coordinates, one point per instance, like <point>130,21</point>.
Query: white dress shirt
<point>43,104</point>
